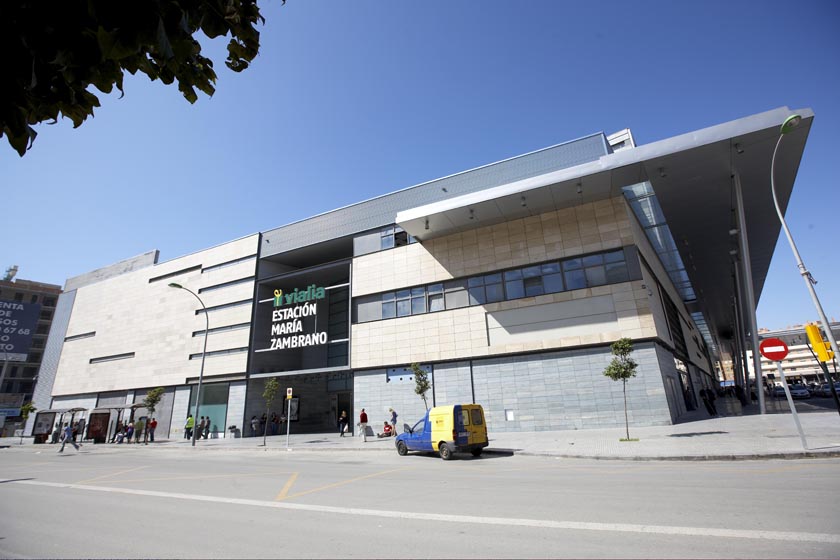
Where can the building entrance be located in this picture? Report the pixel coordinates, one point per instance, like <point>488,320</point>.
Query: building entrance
<point>317,399</point>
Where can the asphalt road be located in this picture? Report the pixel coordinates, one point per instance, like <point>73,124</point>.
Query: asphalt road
<point>192,503</point>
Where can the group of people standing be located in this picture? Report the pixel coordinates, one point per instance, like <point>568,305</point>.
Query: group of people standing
<point>258,425</point>
<point>126,432</point>
<point>201,431</point>
<point>389,429</point>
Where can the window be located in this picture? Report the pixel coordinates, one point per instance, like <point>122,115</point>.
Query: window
<point>456,294</point>
<point>435,298</point>
<point>79,336</point>
<point>493,288</point>
<point>418,301</point>
<point>546,278</point>
<point>514,287</point>
<point>112,358</point>
<point>34,298</point>
<point>18,297</point>
<point>394,236</point>
<point>172,274</point>
<point>389,305</point>
<point>49,302</point>
<point>403,303</point>
<point>476,417</point>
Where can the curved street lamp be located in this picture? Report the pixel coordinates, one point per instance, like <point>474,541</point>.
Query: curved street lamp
<point>790,123</point>
<point>203,354</point>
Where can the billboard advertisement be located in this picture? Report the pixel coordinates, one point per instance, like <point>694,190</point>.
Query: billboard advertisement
<point>18,322</point>
<point>302,321</point>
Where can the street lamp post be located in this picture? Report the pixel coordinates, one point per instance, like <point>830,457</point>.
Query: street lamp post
<point>203,354</point>
<point>790,123</point>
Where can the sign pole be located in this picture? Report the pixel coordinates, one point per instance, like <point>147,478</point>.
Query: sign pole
<point>792,406</point>
<point>776,350</point>
<point>288,415</point>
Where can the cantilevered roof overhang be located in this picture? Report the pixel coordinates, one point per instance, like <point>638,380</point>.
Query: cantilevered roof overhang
<point>693,177</point>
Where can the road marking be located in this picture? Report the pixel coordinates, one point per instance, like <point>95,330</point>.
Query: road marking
<point>111,474</point>
<point>199,476</point>
<point>343,482</point>
<point>445,518</point>
<point>285,491</point>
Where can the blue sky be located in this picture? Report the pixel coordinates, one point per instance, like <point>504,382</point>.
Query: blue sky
<point>350,100</point>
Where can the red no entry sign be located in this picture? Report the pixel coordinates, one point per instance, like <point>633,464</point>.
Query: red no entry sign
<point>773,349</point>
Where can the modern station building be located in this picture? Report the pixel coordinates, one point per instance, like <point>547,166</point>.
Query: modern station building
<point>506,283</point>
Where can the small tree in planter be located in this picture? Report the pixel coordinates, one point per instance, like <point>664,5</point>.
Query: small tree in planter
<point>269,394</point>
<point>25,410</point>
<point>421,383</point>
<point>150,402</point>
<point>622,368</point>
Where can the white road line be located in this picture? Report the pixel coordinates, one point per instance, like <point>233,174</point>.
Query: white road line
<point>537,523</point>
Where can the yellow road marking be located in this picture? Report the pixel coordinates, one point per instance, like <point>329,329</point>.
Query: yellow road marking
<point>285,491</point>
<point>342,483</point>
<point>111,474</point>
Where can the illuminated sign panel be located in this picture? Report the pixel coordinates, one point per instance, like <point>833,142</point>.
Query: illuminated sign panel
<point>301,321</point>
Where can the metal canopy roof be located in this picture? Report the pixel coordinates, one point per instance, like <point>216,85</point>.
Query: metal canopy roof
<point>692,177</point>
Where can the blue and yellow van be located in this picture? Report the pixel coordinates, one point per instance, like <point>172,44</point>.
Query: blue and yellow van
<point>458,428</point>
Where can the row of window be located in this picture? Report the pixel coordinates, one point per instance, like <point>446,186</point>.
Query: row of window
<point>547,278</point>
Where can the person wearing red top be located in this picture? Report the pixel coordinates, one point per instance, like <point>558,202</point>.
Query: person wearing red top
<point>387,431</point>
<point>363,422</point>
<point>152,426</point>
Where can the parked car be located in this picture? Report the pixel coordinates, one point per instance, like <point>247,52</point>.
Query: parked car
<point>825,389</point>
<point>796,391</point>
<point>799,392</point>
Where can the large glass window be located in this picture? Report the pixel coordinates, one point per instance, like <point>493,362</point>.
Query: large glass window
<point>436,297</point>
<point>214,397</point>
<point>575,273</point>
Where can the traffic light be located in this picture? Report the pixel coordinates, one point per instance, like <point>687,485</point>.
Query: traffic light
<point>822,348</point>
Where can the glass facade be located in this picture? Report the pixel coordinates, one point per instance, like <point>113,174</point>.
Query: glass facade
<point>597,269</point>
<point>214,398</point>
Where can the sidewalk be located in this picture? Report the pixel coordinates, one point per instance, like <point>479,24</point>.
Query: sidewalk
<point>770,436</point>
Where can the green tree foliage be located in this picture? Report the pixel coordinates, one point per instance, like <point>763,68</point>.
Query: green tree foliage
<point>152,399</point>
<point>54,50</point>
<point>25,410</point>
<point>272,386</point>
<point>622,368</point>
<point>150,402</point>
<point>421,383</point>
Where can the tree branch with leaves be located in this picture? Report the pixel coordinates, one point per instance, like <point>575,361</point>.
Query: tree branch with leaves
<point>54,51</point>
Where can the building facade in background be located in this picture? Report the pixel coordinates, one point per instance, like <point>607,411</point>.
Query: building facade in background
<point>800,365</point>
<point>26,314</point>
<point>506,283</point>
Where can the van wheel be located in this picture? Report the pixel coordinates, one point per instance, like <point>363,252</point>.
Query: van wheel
<point>445,451</point>
<point>477,452</point>
<point>401,448</point>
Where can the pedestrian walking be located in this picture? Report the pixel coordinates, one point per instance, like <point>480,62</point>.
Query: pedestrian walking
<point>254,425</point>
<point>129,432</point>
<point>200,432</point>
<point>152,428</point>
<point>68,436</point>
<point>393,421</point>
<point>207,428</point>
<point>188,426</point>
<point>343,421</point>
<point>363,422</point>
